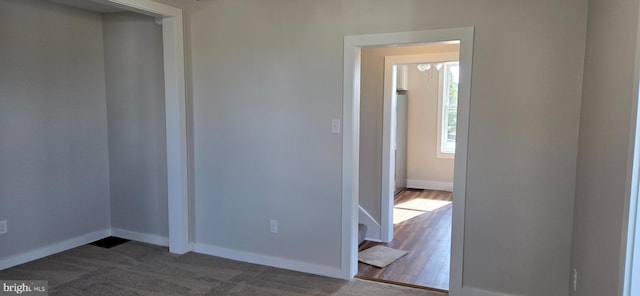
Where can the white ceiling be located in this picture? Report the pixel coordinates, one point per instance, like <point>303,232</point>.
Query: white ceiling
<point>88,5</point>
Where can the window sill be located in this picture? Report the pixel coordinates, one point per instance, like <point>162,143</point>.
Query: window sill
<point>451,155</point>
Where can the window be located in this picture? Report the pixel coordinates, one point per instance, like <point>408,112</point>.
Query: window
<point>448,110</point>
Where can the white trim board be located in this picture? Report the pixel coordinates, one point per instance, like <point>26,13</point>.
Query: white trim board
<point>430,185</point>
<point>141,237</point>
<point>53,248</point>
<point>147,7</point>
<point>350,143</point>
<point>629,282</point>
<point>373,228</point>
<point>468,291</point>
<point>267,260</point>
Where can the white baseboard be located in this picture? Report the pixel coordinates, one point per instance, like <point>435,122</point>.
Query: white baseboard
<point>334,272</point>
<point>52,248</point>
<point>431,185</point>
<point>469,291</point>
<point>373,227</point>
<point>141,237</point>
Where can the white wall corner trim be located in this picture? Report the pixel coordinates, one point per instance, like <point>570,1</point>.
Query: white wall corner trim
<point>53,248</point>
<point>430,185</point>
<point>630,246</point>
<point>469,291</point>
<point>261,259</point>
<point>373,227</point>
<point>147,7</point>
<point>350,156</point>
<point>141,237</point>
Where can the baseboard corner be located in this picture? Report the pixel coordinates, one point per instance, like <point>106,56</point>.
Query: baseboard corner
<point>148,238</point>
<point>53,248</point>
<point>430,185</point>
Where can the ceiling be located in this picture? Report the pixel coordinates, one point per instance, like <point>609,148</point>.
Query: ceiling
<point>88,5</point>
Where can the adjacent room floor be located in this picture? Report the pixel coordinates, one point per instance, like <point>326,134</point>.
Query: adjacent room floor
<point>422,226</point>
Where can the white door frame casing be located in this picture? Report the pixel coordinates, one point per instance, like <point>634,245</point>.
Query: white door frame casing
<point>351,139</point>
<point>388,132</point>
<point>629,282</point>
<point>175,114</point>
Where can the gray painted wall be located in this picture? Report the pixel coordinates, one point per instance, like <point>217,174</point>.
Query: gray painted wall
<point>54,178</point>
<point>270,127</point>
<point>266,85</point>
<point>136,118</point>
<point>604,139</point>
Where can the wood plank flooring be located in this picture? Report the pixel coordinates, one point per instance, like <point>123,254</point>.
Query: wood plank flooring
<point>425,233</point>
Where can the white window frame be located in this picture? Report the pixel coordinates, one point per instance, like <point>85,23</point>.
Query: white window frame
<point>443,92</point>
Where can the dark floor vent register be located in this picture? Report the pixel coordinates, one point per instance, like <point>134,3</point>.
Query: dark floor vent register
<point>109,242</point>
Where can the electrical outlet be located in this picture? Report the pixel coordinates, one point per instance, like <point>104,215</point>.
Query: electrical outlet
<point>574,280</point>
<point>274,226</point>
<point>3,227</point>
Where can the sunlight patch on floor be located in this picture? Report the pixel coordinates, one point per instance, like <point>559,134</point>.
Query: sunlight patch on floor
<point>416,207</point>
<point>423,204</point>
<point>401,215</point>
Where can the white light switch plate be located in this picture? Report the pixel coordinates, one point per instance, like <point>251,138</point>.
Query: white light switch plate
<point>335,126</point>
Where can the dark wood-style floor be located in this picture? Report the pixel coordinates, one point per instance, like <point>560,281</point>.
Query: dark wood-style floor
<point>426,234</point>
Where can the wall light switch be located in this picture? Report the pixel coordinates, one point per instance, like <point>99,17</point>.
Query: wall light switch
<point>335,126</point>
<point>274,226</point>
<point>3,227</point>
<point>574,280</point>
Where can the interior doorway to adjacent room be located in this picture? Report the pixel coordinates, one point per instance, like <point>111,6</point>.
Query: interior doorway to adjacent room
<point>421,82</point>
<point>353,195</point>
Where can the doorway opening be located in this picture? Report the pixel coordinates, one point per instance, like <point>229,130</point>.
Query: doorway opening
<point>419,138</point>
<point>175,121</point>
<point>175,115</point>
<point>351,140</point>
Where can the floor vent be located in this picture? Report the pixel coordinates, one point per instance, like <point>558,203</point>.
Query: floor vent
<point>109,242</point>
